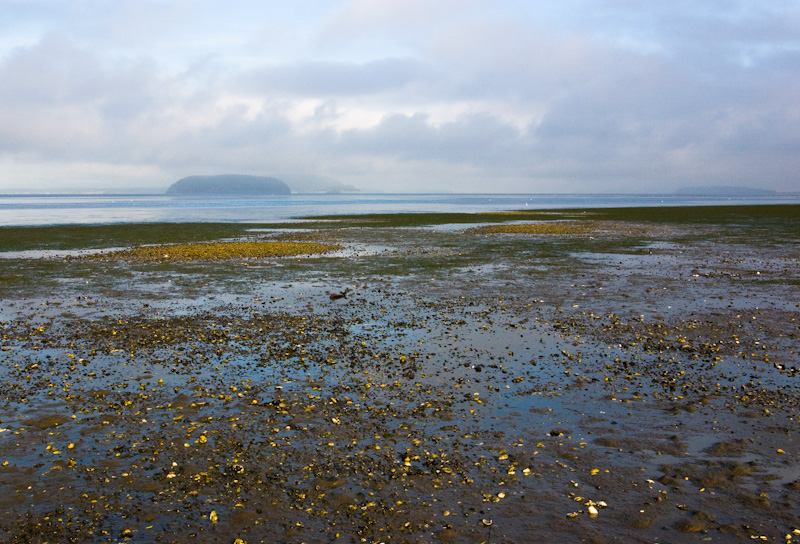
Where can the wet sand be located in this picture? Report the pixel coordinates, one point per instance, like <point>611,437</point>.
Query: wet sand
<point>620,380</point>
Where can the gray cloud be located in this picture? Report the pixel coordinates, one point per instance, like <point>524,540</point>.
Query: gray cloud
<point>336,78</point>
<point>478,139</point>
<point>593,96</point>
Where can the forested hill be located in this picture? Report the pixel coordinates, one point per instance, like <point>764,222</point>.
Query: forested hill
<point>228,184</point>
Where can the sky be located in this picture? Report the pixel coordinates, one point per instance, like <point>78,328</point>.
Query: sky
<point>567,96</point>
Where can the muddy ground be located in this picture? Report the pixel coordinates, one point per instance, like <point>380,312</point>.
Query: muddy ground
<point>636,382</point>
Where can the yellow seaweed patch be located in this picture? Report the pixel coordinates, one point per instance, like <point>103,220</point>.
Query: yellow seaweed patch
<point>556,227</point>
<point>216,251</point>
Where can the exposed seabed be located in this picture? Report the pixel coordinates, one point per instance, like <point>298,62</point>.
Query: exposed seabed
<point>619,380</point>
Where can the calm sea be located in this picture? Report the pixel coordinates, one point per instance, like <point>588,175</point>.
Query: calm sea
<point>104,209</point>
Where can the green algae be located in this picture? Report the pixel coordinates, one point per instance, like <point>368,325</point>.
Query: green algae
<point>70,237</point>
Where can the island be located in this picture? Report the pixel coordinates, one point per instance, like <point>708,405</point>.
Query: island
<point>229,184</point>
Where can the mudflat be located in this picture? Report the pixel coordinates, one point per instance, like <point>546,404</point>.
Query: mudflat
<point>618,375</point>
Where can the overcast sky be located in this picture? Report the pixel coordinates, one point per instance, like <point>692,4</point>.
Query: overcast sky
<point>402,95</point>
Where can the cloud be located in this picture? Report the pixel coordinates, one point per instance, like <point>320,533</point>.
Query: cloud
<point>330,79</point>
<point>576,96</point>
<point>57,99</point>
<point>478,139</point>
<point>392,24</point>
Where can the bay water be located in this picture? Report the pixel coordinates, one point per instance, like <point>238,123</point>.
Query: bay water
<point>93,209</point>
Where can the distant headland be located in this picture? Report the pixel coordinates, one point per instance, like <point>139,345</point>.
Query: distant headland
<point>229,184</point>
<point>724,191</point>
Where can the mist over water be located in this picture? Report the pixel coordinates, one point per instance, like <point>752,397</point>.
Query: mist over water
<point>106,209</point>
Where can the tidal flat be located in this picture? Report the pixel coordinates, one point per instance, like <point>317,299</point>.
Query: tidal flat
<point>599,375</point>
